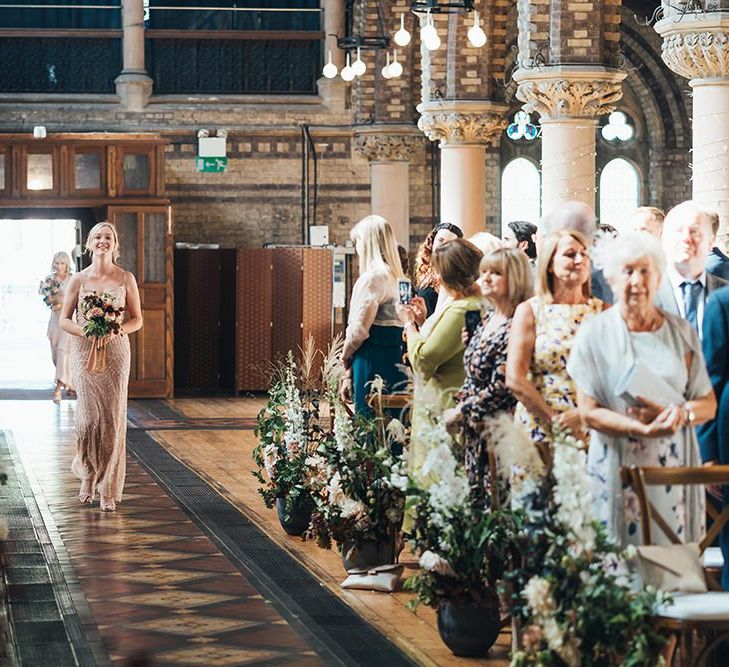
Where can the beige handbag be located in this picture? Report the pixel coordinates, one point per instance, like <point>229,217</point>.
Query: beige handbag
<point>673,568</point>
<point>383,578</point>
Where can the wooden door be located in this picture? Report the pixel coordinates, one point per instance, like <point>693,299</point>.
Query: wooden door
<point>145,240</point>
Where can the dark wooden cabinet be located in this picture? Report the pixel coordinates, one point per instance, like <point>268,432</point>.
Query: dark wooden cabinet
<point>205,303</point>
<point>284,295</point>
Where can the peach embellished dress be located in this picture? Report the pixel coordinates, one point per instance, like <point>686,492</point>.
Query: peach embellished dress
<point>101,409</point>
<point>60,342</point>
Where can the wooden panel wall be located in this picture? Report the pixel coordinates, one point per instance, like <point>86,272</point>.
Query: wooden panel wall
<point>254,318</point>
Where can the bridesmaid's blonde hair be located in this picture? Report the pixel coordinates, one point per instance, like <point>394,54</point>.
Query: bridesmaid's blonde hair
<point>379,248</point>
<point>95,229</point>
<point>61,256</point>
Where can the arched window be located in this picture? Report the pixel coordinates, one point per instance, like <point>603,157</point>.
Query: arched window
<point>520,192</point>
<point>619,193</point>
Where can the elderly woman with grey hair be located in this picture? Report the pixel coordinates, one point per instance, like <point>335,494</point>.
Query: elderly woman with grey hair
<point>642,386</point>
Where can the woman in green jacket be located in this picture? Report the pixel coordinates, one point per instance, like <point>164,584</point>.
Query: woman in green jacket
<point>437,360</point>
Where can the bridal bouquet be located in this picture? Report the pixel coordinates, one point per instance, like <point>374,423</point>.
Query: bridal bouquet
<point>103,319</point>
<point>49,289</point>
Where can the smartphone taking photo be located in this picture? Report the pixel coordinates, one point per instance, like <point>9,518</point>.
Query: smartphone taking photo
<point>473,319</point>
<point>405,288</point>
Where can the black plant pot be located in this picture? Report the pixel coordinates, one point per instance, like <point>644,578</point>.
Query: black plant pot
<point>369,554</point>
<point>469,631</point>
<point>300,516</point>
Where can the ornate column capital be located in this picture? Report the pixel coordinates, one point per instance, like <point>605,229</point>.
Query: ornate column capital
<point>569,91</point>
<point>386,143</point>
<point>696,46</point>
<point>463,122</point>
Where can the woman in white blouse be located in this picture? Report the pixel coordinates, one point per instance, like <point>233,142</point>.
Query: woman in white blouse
<point>373,341</point>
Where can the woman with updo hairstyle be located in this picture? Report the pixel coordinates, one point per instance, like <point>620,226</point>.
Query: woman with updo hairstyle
<point>542,335</point>
<point>437,360</point>
<point>101,409</point>
<point>634,345</point>
<point>58,338</point>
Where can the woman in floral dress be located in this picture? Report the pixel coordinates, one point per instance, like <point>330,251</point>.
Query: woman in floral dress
<point>505,281</point>
<point>657,433</point>
<point>541,338</point>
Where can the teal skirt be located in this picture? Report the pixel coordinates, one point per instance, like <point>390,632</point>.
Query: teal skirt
<point>379,355</point>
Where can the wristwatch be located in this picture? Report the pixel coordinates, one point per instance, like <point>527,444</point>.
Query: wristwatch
<point>689,416</point>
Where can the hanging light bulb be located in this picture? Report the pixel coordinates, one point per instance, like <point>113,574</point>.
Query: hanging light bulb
<point>330,69</point>
<point>395,69</point>
<point>402,36</point>
<point>476,35</point>
<point>429,35</point>
<point>386,69</point>
<point>358,66</point>
<point>347,71</point>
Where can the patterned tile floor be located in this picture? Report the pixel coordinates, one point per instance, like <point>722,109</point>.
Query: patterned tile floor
<point>158,589</point>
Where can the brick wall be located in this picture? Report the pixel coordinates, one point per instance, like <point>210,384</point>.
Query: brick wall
<point>258,199</point>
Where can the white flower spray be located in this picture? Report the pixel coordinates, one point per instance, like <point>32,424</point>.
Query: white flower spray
<point>295,430</point>
<point>571,492</point>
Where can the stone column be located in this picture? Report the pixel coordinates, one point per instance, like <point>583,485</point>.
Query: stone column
<point>569,101</point>
<point>333,90</point>
<point>697,47</point>
<point>389,149</point>
<point>133,85</point>
<point>464,129</point>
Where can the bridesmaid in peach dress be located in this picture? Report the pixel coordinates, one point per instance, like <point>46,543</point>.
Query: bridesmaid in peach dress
<point>101,409</point>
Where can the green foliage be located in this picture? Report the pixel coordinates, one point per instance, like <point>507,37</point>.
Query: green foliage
<point>280,455</point>
<point>478,548</point>
<point>356,500</point>
<point>593,599</point>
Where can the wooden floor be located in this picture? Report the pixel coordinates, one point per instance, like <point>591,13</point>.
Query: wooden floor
<point>215,438</point>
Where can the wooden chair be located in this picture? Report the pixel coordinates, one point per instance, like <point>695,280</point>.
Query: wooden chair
<point>381,403</point>
<point>692,614</point>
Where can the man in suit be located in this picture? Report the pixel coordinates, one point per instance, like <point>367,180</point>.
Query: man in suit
<point>687,239</point>
<point>717,262</point>
<point>577,216</point>
<point>714,435</point>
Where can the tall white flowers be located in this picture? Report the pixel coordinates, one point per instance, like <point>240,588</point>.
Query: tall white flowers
<point>295,430</point>
<point>441,474</point>
<point>571,493</point>
<point>343,429</point>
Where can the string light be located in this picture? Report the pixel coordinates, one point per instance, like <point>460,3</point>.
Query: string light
<point>395,69</point>
<point>476,35</point>
<point>402,36</point>
<point>358,66</point>
<point>347,71</point>
<point>330,69</point>
<point>386,69</point>
<point>429,35</point>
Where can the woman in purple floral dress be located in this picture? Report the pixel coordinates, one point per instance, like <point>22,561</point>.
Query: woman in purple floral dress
<point>506,281</point>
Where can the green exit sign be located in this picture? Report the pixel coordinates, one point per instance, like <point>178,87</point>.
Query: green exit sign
<point>212,164</point>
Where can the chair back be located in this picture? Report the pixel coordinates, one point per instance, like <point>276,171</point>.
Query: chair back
<point>401,401</point>
<point>640,478</point>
